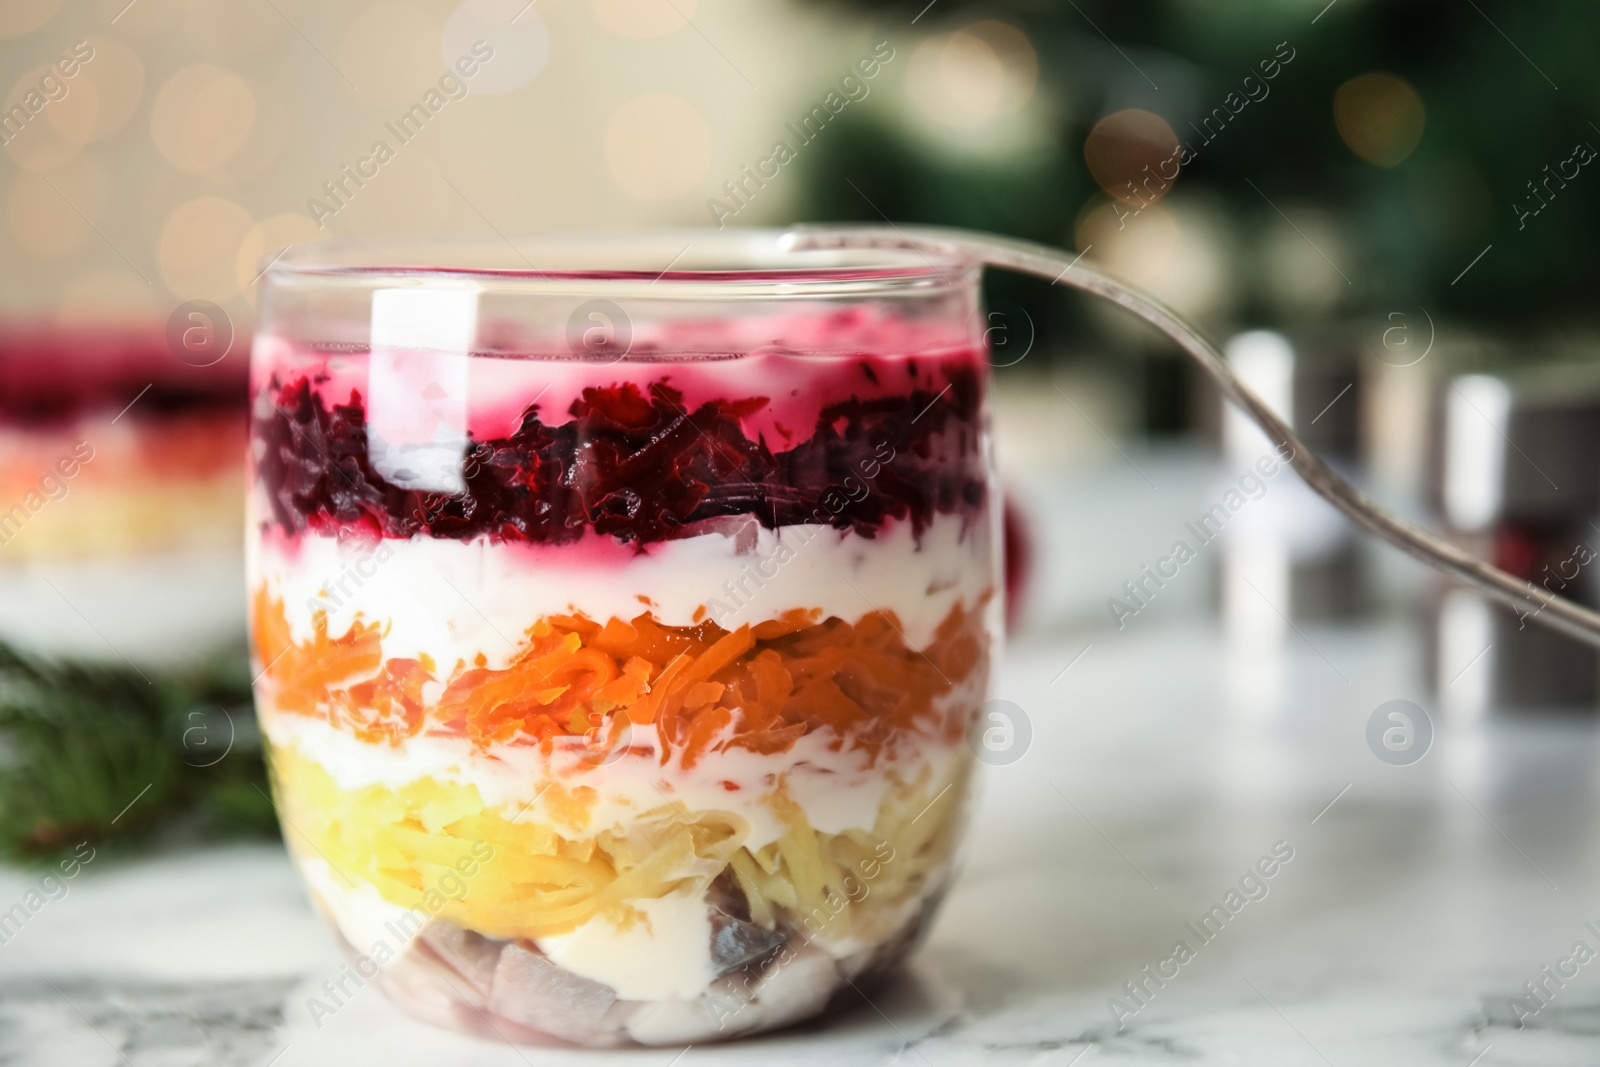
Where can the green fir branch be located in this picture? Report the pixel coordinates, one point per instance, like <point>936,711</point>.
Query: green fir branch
<point>106,753</point>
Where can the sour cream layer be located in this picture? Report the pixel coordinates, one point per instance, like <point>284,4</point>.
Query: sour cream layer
<point>453,600</point>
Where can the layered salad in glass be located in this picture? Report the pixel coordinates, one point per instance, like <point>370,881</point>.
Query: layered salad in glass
<point>620,694</point>
<point>121,469</point>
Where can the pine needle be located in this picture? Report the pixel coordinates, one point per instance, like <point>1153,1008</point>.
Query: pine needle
<point>96,753</point>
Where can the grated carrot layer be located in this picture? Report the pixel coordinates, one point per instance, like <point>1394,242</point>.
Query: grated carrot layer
<point>703,687</point>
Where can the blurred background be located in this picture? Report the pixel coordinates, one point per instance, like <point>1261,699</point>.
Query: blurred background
<point>1383,208</point>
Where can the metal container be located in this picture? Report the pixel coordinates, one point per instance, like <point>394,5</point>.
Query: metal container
<point>1514,475</point>
<point>1290,557</point>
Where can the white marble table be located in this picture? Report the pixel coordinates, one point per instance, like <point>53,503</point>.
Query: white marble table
<point>1159,772</point>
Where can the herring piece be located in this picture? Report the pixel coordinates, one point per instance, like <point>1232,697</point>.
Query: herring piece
<point>531,991</point>
<point>469,954</point>
<point>736,943</point>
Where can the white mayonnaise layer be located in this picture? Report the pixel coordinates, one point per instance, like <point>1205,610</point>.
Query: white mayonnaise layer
<point>456,599</point>
<point>666,952</point>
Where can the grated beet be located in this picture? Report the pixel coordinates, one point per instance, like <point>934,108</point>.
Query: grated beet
<point>637,466</point>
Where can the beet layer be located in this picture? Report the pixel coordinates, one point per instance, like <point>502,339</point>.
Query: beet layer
<point>633,464</point>
<point>51,376</point>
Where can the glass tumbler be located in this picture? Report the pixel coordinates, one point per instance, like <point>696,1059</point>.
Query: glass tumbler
<point>622,606</point>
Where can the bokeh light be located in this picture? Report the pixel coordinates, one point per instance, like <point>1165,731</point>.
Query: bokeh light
<point>266,239</point>
<point>95,101</point>
<point>269,130</point>
<point>1305,267</point>
<point>1178,252</point>
<point>1132,155</point>
<point>515,32</point>
<point>973,76</point>
<point>103,96</point>
<point>1379,116</point>
<point>657,147</point>
<point>201,117</point>
<point>39,145</point>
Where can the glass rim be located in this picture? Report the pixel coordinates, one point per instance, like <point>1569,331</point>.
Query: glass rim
<point>680,259</point>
